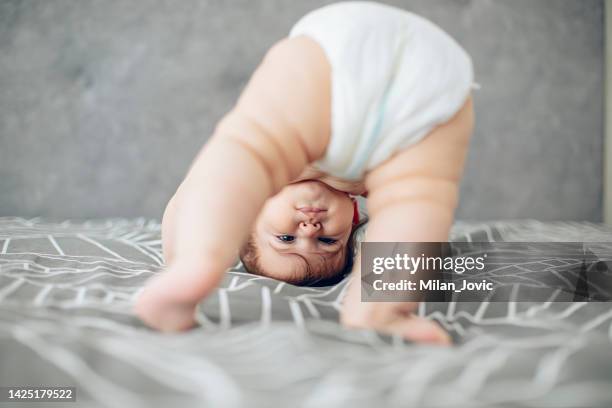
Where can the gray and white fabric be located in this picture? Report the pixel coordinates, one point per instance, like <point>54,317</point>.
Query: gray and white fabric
<point>66,292</point>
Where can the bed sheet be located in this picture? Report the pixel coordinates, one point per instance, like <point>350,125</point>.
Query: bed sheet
<point>67,287</point>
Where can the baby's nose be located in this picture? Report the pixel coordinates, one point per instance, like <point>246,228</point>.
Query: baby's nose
<point>310,228</point>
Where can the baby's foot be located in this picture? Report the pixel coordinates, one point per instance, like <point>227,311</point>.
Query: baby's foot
<point>169,299</point>
<point>396,318</point>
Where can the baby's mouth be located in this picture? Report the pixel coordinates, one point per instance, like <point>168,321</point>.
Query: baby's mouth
<point>311,209</point>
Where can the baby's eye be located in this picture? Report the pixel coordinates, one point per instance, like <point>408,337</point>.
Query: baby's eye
<point>285,238</point>
<point>328,241</point>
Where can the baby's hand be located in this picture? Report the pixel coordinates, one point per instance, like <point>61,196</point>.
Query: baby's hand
<point>394,318</point>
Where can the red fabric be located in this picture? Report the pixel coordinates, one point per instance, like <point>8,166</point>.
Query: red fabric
<point>355,212</point>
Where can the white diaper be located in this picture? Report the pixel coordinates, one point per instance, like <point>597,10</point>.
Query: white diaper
<point>395,76</point>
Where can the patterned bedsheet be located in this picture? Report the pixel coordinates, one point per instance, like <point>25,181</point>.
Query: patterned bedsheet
<point>66,290</point>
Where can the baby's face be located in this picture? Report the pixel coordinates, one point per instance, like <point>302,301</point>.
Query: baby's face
<point>302,232</point>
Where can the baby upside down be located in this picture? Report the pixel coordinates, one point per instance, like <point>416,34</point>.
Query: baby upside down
<point>320,121</point>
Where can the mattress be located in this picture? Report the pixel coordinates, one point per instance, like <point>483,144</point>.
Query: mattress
<point>66,292</point>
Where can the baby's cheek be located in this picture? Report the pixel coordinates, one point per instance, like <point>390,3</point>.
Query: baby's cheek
<point>270,220</point>
<point>283,224</point>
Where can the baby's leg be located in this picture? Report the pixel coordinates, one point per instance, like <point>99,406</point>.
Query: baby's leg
<point>280,124</point>
<point>412,198</point>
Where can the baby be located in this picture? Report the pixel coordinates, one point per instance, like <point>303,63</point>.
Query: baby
<point>360,99</point>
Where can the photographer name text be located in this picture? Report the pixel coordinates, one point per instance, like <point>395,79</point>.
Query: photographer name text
<point>432,285</point>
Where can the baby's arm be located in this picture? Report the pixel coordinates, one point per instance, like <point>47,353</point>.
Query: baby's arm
<point>412,198</point>
<point>280,123</point>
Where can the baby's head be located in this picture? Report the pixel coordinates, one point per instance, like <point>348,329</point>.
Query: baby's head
<point>304,235</point>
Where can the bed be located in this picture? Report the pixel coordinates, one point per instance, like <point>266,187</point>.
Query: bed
<point>66,289</point>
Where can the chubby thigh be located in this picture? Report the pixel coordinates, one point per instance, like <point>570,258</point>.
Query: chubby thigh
<point>415,192</point>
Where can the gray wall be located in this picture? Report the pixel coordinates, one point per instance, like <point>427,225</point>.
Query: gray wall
<point>103,104</point>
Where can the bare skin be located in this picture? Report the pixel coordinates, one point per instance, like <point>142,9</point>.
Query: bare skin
<point>281,124</point>
<point>306,223</point>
